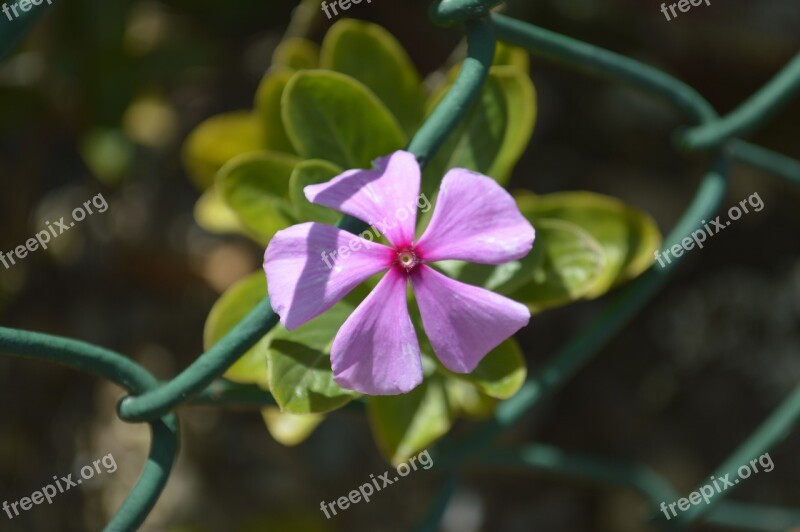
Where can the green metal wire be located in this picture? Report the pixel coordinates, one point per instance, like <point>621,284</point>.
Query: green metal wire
<point>209,366</point>
<point>128,374</point>
<point>200,384</point>
<point>749,115</point>
<point>652,486</point>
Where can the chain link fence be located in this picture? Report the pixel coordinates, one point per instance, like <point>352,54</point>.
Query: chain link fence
<point>153,402</point>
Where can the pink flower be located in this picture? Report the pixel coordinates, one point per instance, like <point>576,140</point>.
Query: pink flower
<point>376,351</point>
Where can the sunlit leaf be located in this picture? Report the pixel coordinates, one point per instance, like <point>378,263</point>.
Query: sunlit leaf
<point>218,140</point>
<point>214,215</point>
<point>299,365</point>
<point>306,173</point>
<point>229,310</point>
<point>296,53</point>
<point>564,265</point>
<point>628,236</point>
<point>468,401</point>
<point>256,187</point>
<point>290,429</point>
<point>268,109</point>
<point>501,373</point>
<point>371,55</point>
<point>404,425</point>
<point>333,117</point>
<point>495,132</point>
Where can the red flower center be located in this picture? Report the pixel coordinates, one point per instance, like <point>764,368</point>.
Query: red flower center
<point>407,259</point>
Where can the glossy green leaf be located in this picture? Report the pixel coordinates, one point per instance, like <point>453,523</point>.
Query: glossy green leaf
<point>333,117</point>
<point>467,400</point>
<point>306,173</point>
<point>296,53</point>
<point>506,54</point>
<point>268,109</point>
<point>218,140</point>
<point>564,265</point>
<point>404,425</point>
<point>495,132</point>
<point>299,365</point>
<point>214,215</point>
<point>371,55</point>
<point>501,373</point>
<point>230,308</point>
<point>629,236</point>
<point>290,429</point>
<point>256,187</point>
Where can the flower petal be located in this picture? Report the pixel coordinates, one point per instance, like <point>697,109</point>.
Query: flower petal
<point>463,322</point>
<point>475,220</point>
<point>385,197</point>
<point>311,266</point>
<point>376,351</point>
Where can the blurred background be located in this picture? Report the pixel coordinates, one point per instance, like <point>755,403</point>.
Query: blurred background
<point>99,100</point>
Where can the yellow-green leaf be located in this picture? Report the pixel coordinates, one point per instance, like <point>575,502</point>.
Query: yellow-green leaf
<point>290,429</point>
<point>306,173</point>
<point>268,109</point>
<point>467,400</point>
<point>564,265</point>
<point>628,235</point>
<point>256,187</point>
<point>501,373</point>
<point>229,310</point>
<point>371,55</point>
<point>495,132</point>
<point>214,215</point>
<point>506,54</point>
<point>333,117</point>
<point>404,425</point>
<point>299,365</point>
<point>218,140</point>
<point>296,53</point>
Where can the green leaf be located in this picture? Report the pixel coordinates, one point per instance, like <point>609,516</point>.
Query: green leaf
<point>333,117</point>
<point>466,399</point>
<point>306,173</point>
<point>404,425</point>
<point>268,108</point>
<point>505,54</point>
<point>230,308</point>
<point>214,215</point>
<point>299,365</point>
<point>501,373</point>
<point>371,55</point>
<point>256,187</point>
<point>628,236</point>
<point>296,53</point>
<point>566,262</point>
<point>218,140</point>
<point>290,429</point>
<point>495,132</point>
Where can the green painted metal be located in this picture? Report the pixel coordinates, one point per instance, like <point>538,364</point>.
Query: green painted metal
<point>200,384</point>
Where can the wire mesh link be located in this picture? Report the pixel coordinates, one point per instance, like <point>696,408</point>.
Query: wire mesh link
<point>155,402</point>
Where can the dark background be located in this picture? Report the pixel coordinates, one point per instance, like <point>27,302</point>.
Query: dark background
<point>100,99</point>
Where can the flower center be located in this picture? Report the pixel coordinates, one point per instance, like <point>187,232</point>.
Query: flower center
<point>407,259</point>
